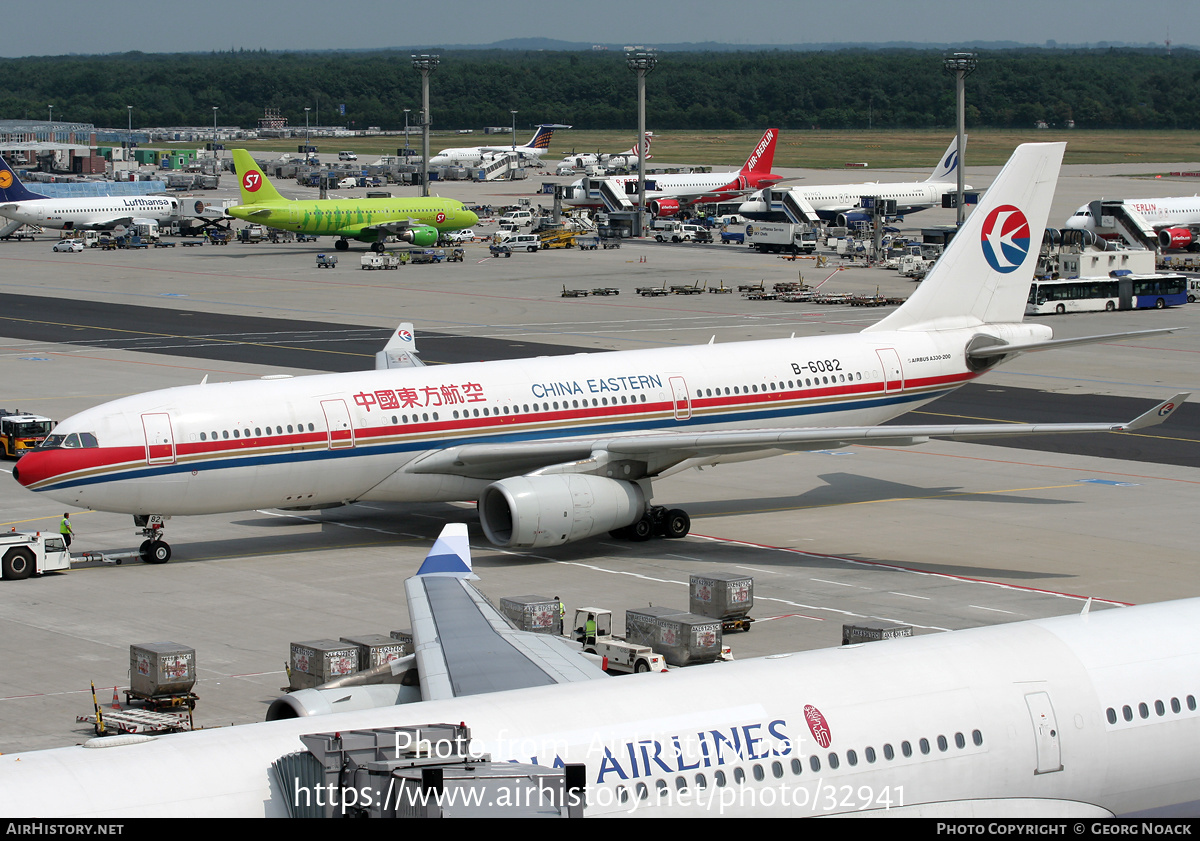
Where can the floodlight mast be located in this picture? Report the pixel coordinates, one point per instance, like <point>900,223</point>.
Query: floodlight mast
<point>425,65</point>
<point>961,65</point>
<point>641,62</point>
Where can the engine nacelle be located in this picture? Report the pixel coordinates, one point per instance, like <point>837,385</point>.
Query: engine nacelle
<point>528,512</point>
<point>420,235</point>
<point>317,701</point>
<point>851,217</point>
<point>664,207</point>
<point>1175,238</point>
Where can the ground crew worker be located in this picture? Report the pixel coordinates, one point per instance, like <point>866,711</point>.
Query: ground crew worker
<point>589,630</point>
<point>64,528</point>
<point>562,614</point>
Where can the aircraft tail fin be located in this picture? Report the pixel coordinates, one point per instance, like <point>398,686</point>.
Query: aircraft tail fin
<point>255,186</point>
<point>541,138</point>
<point>763,156</point>
<point>948,164</point>
<point>450,556</point>
<point>11,188</point>
<point>635,150</point>
<point>400,351</point>
<point>983,276</point>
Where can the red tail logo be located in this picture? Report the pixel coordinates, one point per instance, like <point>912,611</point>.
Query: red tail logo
<point>763,156</point>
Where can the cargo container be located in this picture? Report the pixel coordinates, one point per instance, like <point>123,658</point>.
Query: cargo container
<point>538,614</point>
<point>159,669</point>
<point>873,631</point>
<point>724,596</point>
<point>317,661</point>
<point>376,649</point>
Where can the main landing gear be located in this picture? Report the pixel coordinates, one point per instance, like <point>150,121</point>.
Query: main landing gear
<point>658,521</point>
<point>342,244</point>
<point>154,550</point>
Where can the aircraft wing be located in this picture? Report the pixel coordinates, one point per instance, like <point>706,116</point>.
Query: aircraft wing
<point>653,454</point>
<point>464,646</point>
<point>395,226</point>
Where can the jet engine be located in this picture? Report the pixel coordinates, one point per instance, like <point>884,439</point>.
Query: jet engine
<point>529,512</point>
<point>320,701</point>
<point>1175,238</point>
<point>421,235</point>
<point>664,207</point>
<point>851,217</point>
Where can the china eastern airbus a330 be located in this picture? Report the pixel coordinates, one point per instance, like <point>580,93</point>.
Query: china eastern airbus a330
<point>556,450</point>
<point>418,221</point>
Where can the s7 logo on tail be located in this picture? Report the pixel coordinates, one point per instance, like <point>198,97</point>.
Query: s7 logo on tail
<point>251,181</point>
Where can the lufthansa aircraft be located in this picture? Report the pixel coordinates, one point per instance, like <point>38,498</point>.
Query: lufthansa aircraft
<point>99,213</point>
<point>840,203</point>
<point>475,155</point>
<point>1090,716</point>
<point>558,450</point>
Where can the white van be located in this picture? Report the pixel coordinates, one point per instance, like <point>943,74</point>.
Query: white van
<point>530,242</point>
<point>517,218</point>
<point>1193,290</point>
<point>347,183</point>
<point>347,156</point>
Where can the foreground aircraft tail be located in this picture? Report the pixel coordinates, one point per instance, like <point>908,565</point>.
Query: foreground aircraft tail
<point>983,276</point>
<point>450,556</point>
<point>948,164</point>
<point>400,351</point>
<point>11,188</point>
<point>763,156</point>
<point>255,187</point>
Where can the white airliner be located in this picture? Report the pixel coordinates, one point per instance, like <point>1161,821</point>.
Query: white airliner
<point>80,214</point>
<point>475,155</point>
<point>1092,715</point>
<point>667,194</point>
<point>1175,219</point>
<point>559,449</point>
<point>840,203</point>
<point>628,158</point>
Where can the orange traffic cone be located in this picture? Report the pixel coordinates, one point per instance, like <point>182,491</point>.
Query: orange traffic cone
<point>116,704</point>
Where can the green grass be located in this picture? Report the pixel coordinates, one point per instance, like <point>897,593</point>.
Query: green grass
<point>809,149</point>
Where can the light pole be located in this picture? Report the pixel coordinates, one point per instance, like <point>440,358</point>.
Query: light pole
<point>641,62</point>
<point>51,115</point>
<point>961,65</point>
<point>425,64</point>
<point>214,130</point>
<point>406,110</point>
<point>129,111</point>
<point>514,138</point>
<point>306,110</point>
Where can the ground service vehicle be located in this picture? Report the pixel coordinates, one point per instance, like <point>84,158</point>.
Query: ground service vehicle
<point>20,431</point>
<point>22,554</point>
<point>781,237</point>
<point>619,655</point>
<point>69,245</point>
<point>347,156</point>
<point>1092,294</point>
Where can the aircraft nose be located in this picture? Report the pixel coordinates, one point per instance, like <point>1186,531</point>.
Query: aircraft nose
<point>472,218</point>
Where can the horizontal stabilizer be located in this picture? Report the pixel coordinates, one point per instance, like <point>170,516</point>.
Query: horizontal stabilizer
<point>1052,344</point>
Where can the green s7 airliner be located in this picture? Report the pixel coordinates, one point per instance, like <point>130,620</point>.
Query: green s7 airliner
<point>415,220</point>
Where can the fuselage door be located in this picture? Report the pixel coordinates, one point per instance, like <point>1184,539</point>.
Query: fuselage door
<point>160,441</point>
<point>337,420</point>
<point>893,372</point>
<point>679,395</point>
<point>1045,733</point>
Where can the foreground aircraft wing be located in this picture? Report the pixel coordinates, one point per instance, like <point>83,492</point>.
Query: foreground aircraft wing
<point>656,453</point>
<point>464,646</point>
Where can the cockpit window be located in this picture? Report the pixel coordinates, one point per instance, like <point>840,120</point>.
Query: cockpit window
<point>73,441</point>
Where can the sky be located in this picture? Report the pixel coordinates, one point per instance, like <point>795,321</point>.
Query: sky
<point>60,27</point>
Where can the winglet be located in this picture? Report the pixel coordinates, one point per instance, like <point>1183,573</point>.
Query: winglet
<point>11,188</point>
<point>450,556</point>
<point>401,351</point>
<point>1158,414</point>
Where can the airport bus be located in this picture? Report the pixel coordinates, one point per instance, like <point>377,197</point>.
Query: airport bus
<point>1118,292</point>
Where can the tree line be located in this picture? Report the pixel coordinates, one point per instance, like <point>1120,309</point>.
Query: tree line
<point>844,89</point>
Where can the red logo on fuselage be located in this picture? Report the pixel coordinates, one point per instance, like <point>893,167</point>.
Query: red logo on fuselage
<point>817,725</point>
<point>441,217</point>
